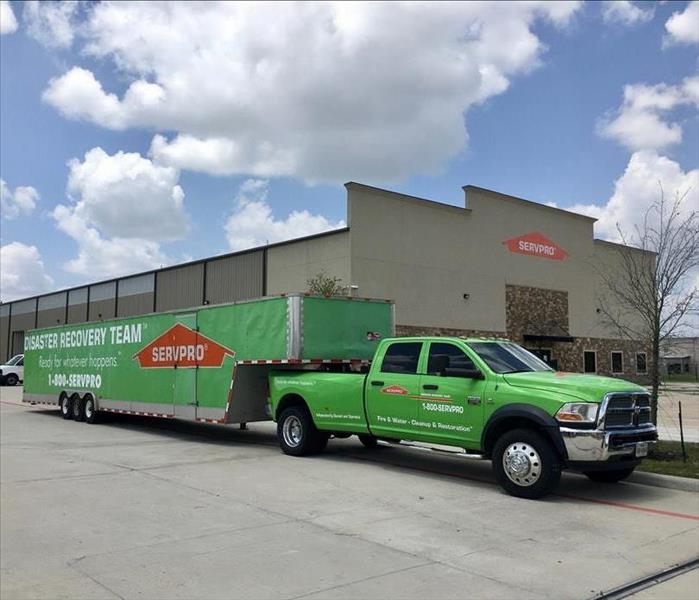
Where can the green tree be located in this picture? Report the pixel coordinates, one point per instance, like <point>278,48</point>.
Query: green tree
<point>325,285</point>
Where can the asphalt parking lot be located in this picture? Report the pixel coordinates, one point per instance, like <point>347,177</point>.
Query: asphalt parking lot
<point>141,508</point>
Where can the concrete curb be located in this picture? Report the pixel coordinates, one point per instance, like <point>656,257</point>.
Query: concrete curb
<point>684,484</point>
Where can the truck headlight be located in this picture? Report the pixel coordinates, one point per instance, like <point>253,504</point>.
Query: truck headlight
<point>578,412</point>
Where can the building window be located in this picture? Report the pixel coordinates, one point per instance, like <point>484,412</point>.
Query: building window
<point>617,362</point>
<point>641,366</point>
<point>401,357</point>
<point>590,361</point>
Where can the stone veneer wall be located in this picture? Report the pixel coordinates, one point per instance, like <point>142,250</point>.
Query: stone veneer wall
<point>545,312</point>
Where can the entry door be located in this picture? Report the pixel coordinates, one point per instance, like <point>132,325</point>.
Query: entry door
<point>184,396</point>
<point>453,405</point>
<point>392,391</point>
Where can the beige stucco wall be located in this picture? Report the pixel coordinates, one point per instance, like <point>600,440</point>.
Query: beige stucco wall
<point>289,266</point>
<point>426,255</point>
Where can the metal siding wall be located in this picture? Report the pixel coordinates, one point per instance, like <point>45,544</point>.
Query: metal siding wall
<point>23,318</point>
<point>102,301</point>
<point>77,305</point>
<point>136,295</point>
<point>180,288</point>
<point>137,304</point>
<point>101,310</point>
<point>52,310</point>
<point>19,324</point>
<point>4,331</point>
<point>235,278</point>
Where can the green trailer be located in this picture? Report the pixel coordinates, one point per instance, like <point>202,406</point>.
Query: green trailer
<point>208,363</point>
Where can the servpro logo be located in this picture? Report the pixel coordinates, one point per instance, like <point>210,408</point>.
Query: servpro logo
<point>182,347</point>
<point>536,244</point>
<point>395,389</point>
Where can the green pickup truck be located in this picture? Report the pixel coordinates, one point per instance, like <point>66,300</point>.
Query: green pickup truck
<point>487,396</point>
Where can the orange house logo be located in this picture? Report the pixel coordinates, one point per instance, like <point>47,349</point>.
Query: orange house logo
<point>396,390</point>
<point>536,244</point>
<point>182,347</point>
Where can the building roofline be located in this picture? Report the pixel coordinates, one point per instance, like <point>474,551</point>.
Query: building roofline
<point>618,245</point>
<point>353,185</point>
<point>180,265</point>
<point>502,196</point>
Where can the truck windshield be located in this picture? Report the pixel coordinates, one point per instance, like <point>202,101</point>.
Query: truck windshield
<point>506,357</point>
<point>14,360</point>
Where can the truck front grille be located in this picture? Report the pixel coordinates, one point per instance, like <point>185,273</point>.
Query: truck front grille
<point>627,410</point>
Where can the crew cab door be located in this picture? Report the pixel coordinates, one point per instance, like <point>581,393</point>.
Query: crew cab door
<point>449,400</point>
<point>392,390</point>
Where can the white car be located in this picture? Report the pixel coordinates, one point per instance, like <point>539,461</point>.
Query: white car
<point>12,372</point>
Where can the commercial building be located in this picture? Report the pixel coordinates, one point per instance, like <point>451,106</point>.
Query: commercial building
<point>680,356</point>
<point>498,266</point>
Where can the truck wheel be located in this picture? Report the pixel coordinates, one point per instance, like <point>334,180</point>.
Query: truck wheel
<point>11,379</point>
<point>297,433</point>
<point>526,464</point>
<point>369,441</point>
<point>89,410</point>
<point>609,476</point>
<point>78,407</point>
<point>66,405</point>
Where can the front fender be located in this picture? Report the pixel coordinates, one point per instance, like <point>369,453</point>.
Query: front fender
<point>513,416</point>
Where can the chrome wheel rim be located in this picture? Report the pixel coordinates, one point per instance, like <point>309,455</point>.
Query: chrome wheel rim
<point>522,464</point>
<point>88,409</point>
<point>292,431</point>
<point>64,406</point>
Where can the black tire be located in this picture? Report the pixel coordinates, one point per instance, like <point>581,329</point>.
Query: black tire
<point>78,407</point>
<point>609,476</point>
<point>298,435</point>
<point>368,441</point>
<point>11,379</point>
<point>90,410</point>
<point>534,466</point>
<point>65,403</point>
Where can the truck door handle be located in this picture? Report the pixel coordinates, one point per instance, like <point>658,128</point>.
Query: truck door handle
<point>377,383</point>
<point>430,386</point>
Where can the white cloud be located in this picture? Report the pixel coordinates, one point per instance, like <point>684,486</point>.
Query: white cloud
<point>8,22</point>
<point>625,13</point>
<point>640,124</point>
<point>635,191</point>
<point>78,92</point>
<point>22,272</point>
<point>51,23</point>
<point>100,257</point>
<point>683,27</point>
<point>321,91</point>
<point>126,195</point>
<point>123,206</point>
<point>21,202</point>
<point>252,223</point>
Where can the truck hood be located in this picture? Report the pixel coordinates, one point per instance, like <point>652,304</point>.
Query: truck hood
<point>590,388</point>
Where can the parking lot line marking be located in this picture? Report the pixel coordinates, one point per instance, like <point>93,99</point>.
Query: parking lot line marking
<point>654,511</point>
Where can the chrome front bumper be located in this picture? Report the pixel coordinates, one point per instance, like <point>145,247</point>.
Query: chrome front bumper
<point>595,445</point>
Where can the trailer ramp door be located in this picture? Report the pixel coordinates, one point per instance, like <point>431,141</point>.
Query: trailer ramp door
<point>184,396</point>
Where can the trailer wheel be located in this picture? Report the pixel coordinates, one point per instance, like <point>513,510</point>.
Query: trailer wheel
<point>66,406</point>
<point>297,433</point>
<point>526,464</point>
<point>89,410</point>
<point>368,441</point>
<point>78,407</point>
<point>11,379</point>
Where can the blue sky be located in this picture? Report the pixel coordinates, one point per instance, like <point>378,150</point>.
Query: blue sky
<point>395,109</point>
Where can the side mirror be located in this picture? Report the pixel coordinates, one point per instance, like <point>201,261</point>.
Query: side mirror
<point>465,373</point>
